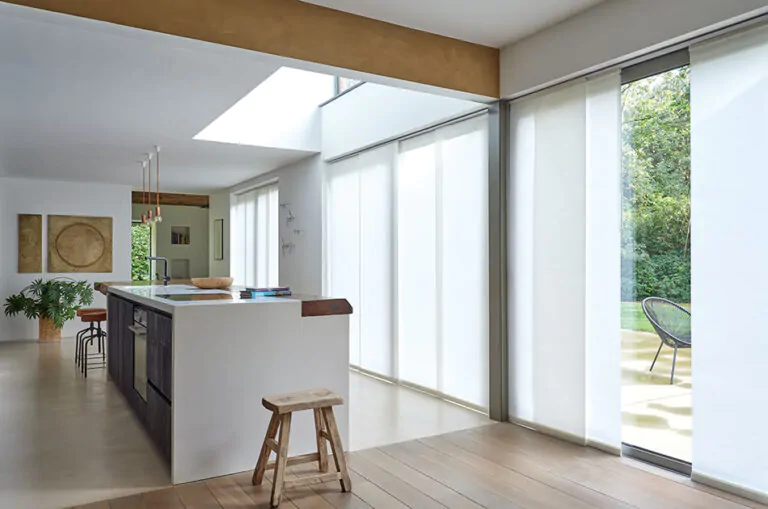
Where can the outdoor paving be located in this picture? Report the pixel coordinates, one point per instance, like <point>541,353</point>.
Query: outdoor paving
<point>655,414</point>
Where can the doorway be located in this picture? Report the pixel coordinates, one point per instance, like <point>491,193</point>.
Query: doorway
<point>656,267</point>
<point>141,248</point>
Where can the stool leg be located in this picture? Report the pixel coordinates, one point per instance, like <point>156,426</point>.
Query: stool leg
<point>322,447</point>
<point>337,449</point>
<point>84,357</point>
<point>261,465</point>
<point>101,341</point>
<point>79,342</point>
<point>282,459</point>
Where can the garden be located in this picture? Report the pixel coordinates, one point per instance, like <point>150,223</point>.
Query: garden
<point>656,203</point>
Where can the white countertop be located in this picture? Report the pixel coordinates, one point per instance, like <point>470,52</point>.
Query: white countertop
<point>152,296</point>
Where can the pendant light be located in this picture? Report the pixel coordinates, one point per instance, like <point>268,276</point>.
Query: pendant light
<point>143,191</point>
<point>150,214</point>
<point>158,217</point>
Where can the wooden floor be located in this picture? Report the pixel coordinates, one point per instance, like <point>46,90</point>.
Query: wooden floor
<point>66,440</point>
<point>499,465</point>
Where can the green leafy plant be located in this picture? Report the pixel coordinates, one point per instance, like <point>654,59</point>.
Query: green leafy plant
<point>57,299</point>
<point>140,246</point>
<point>656,205</point>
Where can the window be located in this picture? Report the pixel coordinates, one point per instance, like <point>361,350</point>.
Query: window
<point>255,242</point>
<point>407,245</point>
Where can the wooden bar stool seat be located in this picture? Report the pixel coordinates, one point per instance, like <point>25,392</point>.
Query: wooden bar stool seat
<point>321,402</point>
<point>90,330</point>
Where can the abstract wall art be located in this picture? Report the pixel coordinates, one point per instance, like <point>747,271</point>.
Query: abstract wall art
<point>79,244</point>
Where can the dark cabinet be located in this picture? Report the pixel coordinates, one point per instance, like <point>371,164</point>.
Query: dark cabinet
<point>120,342</point>
<point>154,412</point>
<point>113,334</point>
<point>159,352</point>
<point>159,421</point>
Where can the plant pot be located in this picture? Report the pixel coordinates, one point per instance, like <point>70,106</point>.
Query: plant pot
<point>47,331</point>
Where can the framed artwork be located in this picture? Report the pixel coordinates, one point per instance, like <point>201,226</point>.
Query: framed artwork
<point>30,244</point>
<point>218,239</point>
<point>79,244</point>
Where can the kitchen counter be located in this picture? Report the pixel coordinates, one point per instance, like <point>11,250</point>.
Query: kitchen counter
<point>311,305</point>
<point>222,355</point>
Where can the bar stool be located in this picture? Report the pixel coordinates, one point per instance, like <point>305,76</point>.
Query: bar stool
<point>321,402</point>
<point>88,330</point>
<point>96,332</point>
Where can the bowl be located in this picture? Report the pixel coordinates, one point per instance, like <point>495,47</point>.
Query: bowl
<point>212,283</point>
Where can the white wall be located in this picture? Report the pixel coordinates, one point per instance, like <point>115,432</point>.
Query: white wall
<point>219,209</point>
<point>196,218</point>
<point>300,188</point>
<point>45,197</point>
<point>372,113</point>
<point>609,33</point>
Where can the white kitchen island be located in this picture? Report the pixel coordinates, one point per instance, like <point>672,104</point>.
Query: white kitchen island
<point>225,355</point>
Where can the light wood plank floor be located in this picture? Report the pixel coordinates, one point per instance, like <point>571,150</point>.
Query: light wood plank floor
<point>496,466</point>
<point>65,440</point>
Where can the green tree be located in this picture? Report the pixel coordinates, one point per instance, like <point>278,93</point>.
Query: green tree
<point>656,136</point>
<point>140,242</point>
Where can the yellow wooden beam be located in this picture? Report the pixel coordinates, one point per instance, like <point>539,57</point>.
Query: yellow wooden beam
<point>294,29</point>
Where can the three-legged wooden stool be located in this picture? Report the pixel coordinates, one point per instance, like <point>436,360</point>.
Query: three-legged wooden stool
<point>321,402</point>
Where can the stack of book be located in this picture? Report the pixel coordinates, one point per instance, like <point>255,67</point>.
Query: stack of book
<point>277,291</point>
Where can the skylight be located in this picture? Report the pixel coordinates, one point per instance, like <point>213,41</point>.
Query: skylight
<point>281,112</point>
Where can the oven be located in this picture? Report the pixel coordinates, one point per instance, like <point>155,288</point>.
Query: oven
<point>139,329</point>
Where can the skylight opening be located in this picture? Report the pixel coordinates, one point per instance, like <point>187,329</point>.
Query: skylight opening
<point>274,113</point>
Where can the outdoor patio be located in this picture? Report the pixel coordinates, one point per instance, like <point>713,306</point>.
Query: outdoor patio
<point>656,415</point>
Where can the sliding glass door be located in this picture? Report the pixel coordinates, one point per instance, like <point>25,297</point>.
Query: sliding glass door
<point>407,243</point>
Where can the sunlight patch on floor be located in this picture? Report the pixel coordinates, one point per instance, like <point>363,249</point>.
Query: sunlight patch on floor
<point>656,415</point>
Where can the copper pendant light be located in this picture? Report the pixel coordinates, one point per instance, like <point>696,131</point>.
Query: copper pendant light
<point>149,195</point>
<point>143,191</point>
<point>158,217</point>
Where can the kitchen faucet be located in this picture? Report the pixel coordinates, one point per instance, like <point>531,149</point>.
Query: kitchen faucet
<point>165,267</point>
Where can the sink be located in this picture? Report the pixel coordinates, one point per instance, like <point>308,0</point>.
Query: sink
<point>184,289</point>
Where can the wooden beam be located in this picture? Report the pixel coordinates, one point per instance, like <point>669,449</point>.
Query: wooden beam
<point>295,29</point>
<point>189,200</point>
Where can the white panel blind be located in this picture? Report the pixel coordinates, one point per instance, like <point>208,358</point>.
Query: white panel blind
<point>565,199</point>
<point>407,244</point>
<point>603,260</point>
<point>359,252</point>
<point>255,242</point>
<point>442,192</point>
<point>729,131</point>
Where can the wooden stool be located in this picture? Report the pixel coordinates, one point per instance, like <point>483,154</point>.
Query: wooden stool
<point>321,402</point>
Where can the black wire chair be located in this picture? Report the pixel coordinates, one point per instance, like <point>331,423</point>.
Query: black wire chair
<point>672,323</point>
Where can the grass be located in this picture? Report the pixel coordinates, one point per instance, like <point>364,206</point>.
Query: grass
<point>633,318</point>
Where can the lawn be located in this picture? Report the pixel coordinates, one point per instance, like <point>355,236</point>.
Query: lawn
<point>633,318</point>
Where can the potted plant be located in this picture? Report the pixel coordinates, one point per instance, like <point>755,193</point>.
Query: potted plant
<point>52,302</point>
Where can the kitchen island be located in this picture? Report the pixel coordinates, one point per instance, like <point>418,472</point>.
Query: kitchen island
<point>194,364</point>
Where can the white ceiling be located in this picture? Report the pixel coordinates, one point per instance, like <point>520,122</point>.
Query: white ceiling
<point>489,22</point>
<point>81,100</point>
